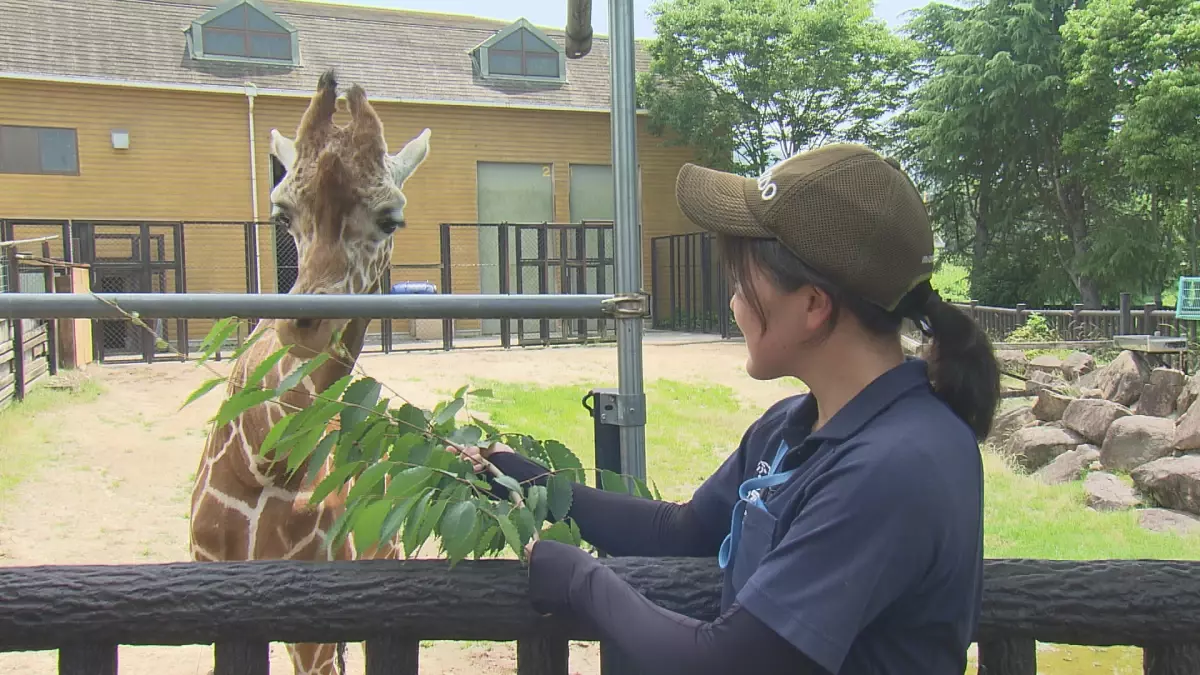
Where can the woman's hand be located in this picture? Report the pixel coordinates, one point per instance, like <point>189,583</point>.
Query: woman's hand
<point>475,454</point>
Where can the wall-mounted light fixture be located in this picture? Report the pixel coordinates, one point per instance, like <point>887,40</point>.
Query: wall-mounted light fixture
<point>120,139</point>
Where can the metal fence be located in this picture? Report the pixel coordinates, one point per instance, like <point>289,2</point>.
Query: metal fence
<point>528,259</point>
<point>27,346</point>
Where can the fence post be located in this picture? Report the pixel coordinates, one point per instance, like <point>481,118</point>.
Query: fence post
<point>608,417</point>
<point>1148,318</point>
<point>1021,307</point>
<point>447,324</point>
<point>1008,656</point>
<point>18,326</point>
<point>52,324</point>
<point>1126,322</point>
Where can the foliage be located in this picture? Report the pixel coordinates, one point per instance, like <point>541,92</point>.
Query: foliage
<point>1035,329</point>
<point>390,459</point>
<point>744,81</point>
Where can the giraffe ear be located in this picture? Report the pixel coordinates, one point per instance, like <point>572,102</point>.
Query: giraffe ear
<point>284,150</point>
<point>405,162</point>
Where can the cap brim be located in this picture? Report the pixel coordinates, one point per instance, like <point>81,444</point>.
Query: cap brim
<point>716,201</point>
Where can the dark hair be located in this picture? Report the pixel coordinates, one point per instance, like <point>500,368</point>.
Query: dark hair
<point>962,366</point>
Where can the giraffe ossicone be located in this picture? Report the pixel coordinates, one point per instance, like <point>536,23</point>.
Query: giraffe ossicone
<point>342,201</point>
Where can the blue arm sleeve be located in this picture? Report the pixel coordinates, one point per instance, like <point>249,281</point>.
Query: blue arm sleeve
<point>566,580</point>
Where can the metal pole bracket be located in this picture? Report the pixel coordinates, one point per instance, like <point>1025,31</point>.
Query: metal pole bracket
<point>610,407</point>
<point>635,305</point>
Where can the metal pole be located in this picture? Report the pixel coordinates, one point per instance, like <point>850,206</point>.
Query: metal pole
<point>632,399</point>
<point>300,306</point>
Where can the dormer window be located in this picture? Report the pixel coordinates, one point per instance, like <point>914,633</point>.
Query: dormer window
<point>521,52</point>
<point>245,31</point>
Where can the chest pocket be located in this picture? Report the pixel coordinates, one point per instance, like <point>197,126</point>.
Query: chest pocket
<point>752,528</point>
<point>758,537</point>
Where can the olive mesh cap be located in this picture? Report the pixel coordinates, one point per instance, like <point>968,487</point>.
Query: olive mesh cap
<point>844,210</point>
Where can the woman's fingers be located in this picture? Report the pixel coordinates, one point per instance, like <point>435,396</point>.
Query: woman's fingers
<point>471,454</point>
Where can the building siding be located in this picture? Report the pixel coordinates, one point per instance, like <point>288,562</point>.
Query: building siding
<point>189,161</point>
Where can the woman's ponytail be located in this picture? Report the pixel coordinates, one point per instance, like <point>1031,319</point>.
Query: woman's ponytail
<point>962,365</point>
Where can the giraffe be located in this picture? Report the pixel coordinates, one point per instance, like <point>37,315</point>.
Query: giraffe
<point>341,201</point>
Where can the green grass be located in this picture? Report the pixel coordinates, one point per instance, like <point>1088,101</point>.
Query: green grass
<point>25,446</point>
<point>693,427</point>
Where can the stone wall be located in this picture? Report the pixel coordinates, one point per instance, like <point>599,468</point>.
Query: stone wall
<point>1129,418</point>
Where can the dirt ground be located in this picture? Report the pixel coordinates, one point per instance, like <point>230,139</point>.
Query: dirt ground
<point>117,478</point>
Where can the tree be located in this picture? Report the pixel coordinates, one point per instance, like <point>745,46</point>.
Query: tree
<point>745,81</point>
<point>991,126</point>
<point>1140,60</point>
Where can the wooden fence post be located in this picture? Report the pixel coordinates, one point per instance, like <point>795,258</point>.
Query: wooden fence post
<point>52,324</point>
<point>1148,318</point>
<point>1126,322</point>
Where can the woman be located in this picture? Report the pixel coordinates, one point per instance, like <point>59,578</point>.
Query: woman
<point>849,522</point>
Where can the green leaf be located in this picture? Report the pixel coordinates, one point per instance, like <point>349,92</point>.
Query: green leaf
<point>408,482</point>
<point>334,391</point>
<point>241,402</point>
<point>368,480</point>
<point>487,542</point>
<point>448,412</point>
<point>395,518</point>
<point>275,433</point>
<point>412,525</point>
<point>613,482</point>
<point>561,457</point>
<point>301,372</point>
<point>369,523</point>
<point>481,393</point>
<point>320,455</point>
<point>525,523</point>
<point>458,524</point>
<point>510,483</point>
<point>304,448</point>
<point>538,502</point>
<point>216,337</point>
<point>466,436</point>
<point>461,391</point>
<point>264,367</point>
<point>559,496</point>
<point>511,536</point>
<point>410,418</point>
<point>403,445</point>
<point>335,480</point>
<point>362,394</point>
<point>559,531</point>
<point>204,389</point>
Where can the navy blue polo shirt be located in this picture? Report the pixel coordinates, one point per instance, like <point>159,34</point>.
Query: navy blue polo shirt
<point>869,558</point>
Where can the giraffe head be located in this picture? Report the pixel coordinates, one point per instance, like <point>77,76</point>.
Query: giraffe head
<point>342,201</point>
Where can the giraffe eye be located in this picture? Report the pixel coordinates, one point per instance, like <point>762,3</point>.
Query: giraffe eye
<point>388,223</point>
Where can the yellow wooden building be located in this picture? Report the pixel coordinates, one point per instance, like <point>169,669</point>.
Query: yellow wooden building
<point>155,112</point>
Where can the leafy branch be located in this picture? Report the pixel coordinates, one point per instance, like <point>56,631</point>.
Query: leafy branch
<point>400,467</point>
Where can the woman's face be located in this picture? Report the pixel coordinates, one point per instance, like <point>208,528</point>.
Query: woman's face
<point>791,319</point>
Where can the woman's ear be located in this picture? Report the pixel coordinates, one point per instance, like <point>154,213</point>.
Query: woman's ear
<point>816,306</point>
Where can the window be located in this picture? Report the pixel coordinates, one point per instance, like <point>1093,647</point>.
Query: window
<point>244,30</point>
<point>522,52</point>
<point>38,150</point>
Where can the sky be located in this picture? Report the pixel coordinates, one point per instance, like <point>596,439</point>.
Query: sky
<point>553,13</point>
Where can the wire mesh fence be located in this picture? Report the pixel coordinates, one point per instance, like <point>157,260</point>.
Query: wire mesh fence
<point>688,285</point>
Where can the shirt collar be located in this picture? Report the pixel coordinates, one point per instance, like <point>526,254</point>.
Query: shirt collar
<point>869,402</point>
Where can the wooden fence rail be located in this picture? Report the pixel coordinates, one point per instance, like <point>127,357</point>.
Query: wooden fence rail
<point>86,612</point>
<point>1078,324</point>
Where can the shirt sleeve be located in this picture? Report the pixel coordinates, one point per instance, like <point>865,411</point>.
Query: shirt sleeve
<point>859,541</point>
<point>566,580</point>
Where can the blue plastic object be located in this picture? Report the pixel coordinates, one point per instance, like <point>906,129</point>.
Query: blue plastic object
<point>413,288</point>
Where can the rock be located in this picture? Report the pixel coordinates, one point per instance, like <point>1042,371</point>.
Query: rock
<point>1091,393</point>
<point>1049,406</point>
<point>1106,492</point>
<point>1091,417</point>
<point>1122,380</point>
<point>1166,520</point>
<point>1173,482</point>
<point>1007,422</point>
<point>1077,364</point>
<point>1040,379</point>
<point>1187,428</point>
<point>1047,363</point>
<point>1068,466</point>
<point>1189,394</point>
<point>1136,439</point>
<point>1161,392</point>
<point>1034,447</point>
<point>1012,361</point>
